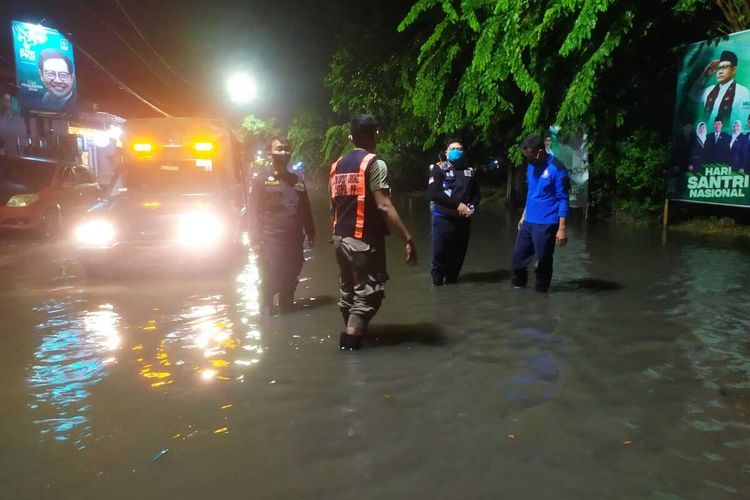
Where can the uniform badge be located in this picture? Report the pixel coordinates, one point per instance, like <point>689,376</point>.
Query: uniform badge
<point>545,174</point>
<point>468,172</point>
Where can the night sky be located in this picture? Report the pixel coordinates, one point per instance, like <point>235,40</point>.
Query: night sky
<point>286,44</point>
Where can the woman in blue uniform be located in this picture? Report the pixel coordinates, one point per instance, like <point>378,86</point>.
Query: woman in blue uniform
<point>454,194</point>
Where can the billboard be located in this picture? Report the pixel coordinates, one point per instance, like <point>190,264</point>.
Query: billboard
<point>45,71</point>
<point>711,127</point>
<point>572,150</point>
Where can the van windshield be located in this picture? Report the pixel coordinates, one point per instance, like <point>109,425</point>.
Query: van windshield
<point>27,176</point>
<point>174,177</point>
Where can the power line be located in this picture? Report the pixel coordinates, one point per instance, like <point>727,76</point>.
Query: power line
<point>122,84</point>
<point>132,23</point>
<point>127,44</point>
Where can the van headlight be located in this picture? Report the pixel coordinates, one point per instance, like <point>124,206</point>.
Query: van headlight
<point>199,229</point>
<point>22,200</point>
<point>95,233</point>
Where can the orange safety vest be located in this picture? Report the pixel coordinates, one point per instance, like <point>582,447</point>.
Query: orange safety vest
<point>351,201</point>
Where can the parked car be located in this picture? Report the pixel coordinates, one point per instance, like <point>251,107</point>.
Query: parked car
<point>178,198</point>
<point>42,196</point>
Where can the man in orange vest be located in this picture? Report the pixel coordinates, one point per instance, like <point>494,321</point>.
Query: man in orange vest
<point>362,216</point>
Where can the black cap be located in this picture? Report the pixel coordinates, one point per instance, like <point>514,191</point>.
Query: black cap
<point>533,142</point>
<point>729,56</point>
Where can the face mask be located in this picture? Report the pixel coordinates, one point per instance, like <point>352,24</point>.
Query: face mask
<point>281,160</point>
<point>455,156</point>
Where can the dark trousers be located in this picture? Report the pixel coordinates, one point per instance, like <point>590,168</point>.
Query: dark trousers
<point>450,239</point>
<point>534,240</point>
<point>279,264</point>
<point>363,276</point>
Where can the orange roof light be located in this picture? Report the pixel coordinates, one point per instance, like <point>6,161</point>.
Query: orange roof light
<point>203,147</point>
<point>143,147</point>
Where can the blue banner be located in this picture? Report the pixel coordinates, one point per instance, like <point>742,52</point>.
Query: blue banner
<point>45,71</point>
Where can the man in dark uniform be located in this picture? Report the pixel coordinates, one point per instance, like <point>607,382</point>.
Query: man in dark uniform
<point>544,219</point>
<point>280,218</point>
<point>455,195</point>
<point>717,144</point>
<point>362,215</point>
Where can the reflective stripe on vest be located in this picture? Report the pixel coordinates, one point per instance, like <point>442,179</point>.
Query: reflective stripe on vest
<point>359,226</point>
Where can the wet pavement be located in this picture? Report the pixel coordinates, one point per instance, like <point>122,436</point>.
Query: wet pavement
<point>631,380</point>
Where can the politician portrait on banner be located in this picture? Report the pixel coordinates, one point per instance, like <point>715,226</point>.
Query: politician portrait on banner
<point>711,127</point>
<point>45,71</point>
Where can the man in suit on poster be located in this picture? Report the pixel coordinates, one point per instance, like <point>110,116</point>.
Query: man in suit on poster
<point>717,145</point>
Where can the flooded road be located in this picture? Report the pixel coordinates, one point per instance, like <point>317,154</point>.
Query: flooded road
<point>631,380</point>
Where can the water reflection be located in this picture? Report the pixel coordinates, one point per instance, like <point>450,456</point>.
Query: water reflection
<point>183,340</point>
<point>537,371</point>
<point>706,295</point>
<point>712,303</point>
<point>72,357</point>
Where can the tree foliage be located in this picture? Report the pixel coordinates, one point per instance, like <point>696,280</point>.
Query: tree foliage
<point>256,131</point>
<point>307,134</point>
<point>507,68</point>
<point>491,71</point>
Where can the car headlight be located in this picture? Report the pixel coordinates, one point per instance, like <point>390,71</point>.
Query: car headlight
<point>22,200</point>
<point>199,229</point>
<point>95,233</point>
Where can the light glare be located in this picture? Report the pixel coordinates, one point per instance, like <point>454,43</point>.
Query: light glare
<point>242,88</point>
<point>199,230</point>
<point>95,233</point>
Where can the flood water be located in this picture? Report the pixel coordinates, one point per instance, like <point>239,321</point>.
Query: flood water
<point>630,380</point>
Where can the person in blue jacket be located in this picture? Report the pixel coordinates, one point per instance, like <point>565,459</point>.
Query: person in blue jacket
<point>544,220</point>
<point>454,194</point>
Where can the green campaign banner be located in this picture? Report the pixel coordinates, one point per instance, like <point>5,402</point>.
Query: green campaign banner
<point>45,71</point>
<point>711,145</point>
<point>572,150</point>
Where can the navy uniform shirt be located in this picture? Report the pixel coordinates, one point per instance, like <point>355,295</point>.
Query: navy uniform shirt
<point>279,206</point>
<point>449,187</point>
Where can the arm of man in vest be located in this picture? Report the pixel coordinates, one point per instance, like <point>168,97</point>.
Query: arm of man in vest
<point>379,187</point>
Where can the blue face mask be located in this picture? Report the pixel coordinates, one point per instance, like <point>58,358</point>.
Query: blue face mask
<point>455,156</point>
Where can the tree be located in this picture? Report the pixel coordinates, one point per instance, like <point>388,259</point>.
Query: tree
<point>307,133</point>
<point>364,81</point>
<point>255,132</point>
<point>507,68</point>
<point>735,13</point>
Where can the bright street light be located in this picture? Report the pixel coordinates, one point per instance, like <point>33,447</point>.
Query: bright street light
<point>242,88</point>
